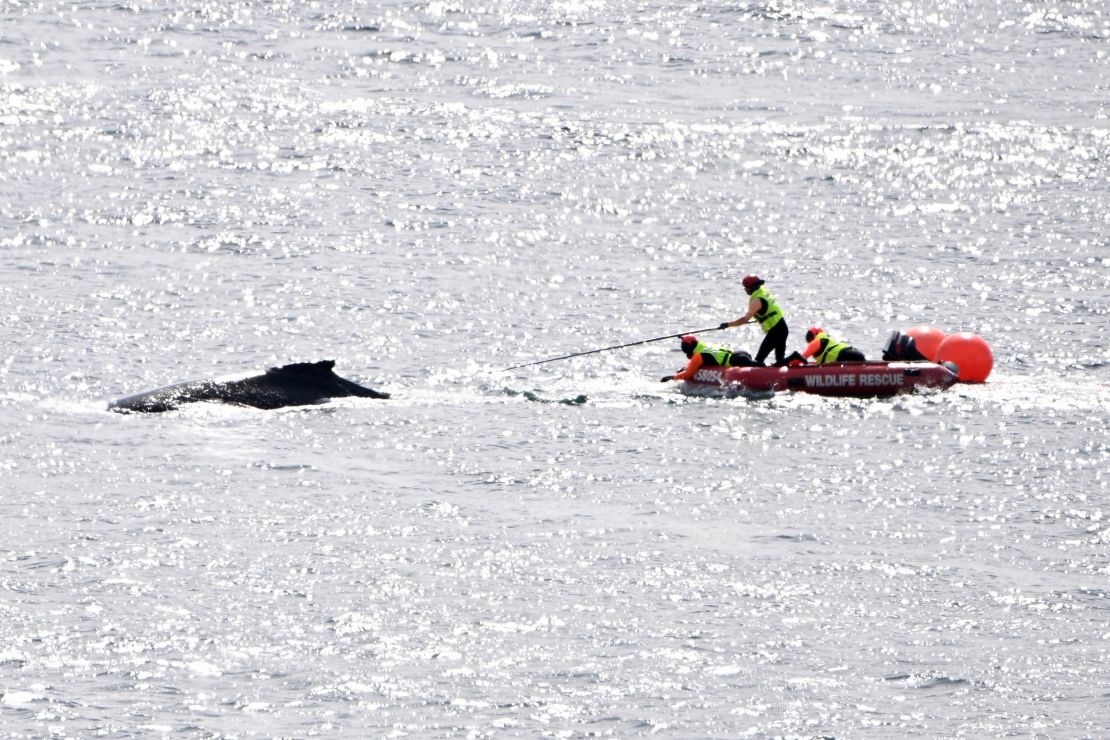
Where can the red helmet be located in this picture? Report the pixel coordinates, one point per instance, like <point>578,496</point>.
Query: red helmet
<point>812,332</point>
<point>689,342</point>
<point>752,281</point>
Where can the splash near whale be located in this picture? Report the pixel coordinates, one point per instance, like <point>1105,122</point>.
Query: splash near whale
<point>298,384</point>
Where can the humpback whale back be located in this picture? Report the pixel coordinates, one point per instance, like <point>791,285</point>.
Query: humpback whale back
<point>296,384</point>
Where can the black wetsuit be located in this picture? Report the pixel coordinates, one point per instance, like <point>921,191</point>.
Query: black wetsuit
<point>775,339</point>
<point>850,354</point>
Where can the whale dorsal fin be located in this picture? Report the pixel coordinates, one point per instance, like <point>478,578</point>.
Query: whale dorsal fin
<point>323,367</point>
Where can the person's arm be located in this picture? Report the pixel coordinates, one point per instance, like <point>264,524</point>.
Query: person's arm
<point>753,308</point>
<point>691,368</point>
<point>812,348</point>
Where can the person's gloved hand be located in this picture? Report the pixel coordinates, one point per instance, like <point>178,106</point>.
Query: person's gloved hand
<point>724,325</point>
<point>665,378</point>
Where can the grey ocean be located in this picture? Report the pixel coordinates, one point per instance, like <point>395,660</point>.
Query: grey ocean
<point>431,192</point>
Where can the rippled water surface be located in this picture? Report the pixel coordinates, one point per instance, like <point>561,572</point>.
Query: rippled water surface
<point>431,192</point>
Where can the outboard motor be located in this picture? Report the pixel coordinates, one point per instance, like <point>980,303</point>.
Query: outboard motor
<point>902,348</point>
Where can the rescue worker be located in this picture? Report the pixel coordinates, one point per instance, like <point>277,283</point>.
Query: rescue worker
<point>702,355</point>
<point>824,349</point>
<point>763,308</point>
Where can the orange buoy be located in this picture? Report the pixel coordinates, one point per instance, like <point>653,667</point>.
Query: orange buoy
<point>927,338</point>
<point>970,352</point>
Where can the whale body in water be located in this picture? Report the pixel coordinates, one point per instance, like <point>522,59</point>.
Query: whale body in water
<point>299,384</point>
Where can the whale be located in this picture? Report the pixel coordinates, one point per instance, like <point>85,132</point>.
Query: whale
<point>297,384</point>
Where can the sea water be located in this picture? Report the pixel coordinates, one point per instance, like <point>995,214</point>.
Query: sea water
<point>431,192</point>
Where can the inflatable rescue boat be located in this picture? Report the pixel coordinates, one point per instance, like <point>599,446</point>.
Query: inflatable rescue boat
<point>852,379</point>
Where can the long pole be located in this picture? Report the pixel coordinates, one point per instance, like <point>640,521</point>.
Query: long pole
<point>617,346</point>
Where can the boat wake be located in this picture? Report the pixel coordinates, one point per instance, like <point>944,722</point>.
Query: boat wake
<point>578,400</point>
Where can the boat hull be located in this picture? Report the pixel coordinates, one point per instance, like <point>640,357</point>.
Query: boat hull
<point>850,379</point>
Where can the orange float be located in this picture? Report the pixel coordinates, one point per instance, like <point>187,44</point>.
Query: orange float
<point>927,338</point>
<point>970,352</point>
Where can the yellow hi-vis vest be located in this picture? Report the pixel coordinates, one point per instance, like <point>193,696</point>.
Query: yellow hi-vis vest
<point>830,349</point>
<point>772,315</point>
<point>720,354</point>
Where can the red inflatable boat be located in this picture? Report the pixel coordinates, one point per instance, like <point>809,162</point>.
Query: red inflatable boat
<point>853,379</point>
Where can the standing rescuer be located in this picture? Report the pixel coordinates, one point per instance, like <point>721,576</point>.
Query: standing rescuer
<point>763,308</point>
